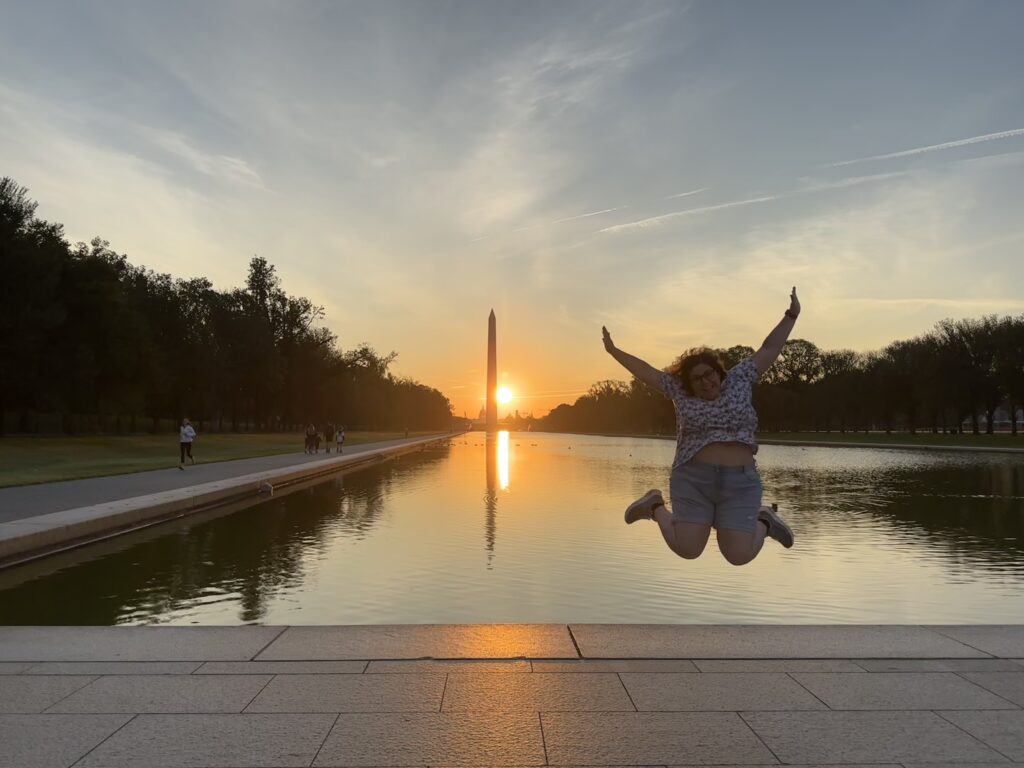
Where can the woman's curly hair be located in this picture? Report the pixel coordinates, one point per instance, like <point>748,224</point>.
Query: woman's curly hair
<point>689,360</point>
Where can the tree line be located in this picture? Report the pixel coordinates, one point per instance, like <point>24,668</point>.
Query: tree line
<point>90,342</point>
<point>962,371</point>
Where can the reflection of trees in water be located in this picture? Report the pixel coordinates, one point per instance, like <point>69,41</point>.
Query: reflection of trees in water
<point>247,556</point>
<point>974,509</point>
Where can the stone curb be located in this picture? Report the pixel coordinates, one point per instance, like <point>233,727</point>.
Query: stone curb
<point>28,538</point>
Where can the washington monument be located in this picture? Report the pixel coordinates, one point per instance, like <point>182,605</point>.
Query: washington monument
<point>492,373</point>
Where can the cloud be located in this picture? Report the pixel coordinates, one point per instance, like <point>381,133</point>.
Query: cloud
<point>687,194</point>
<point>587,215</point>
<point>934,147</point>
<point>654,220</point>
<point>219,167</point>
<point>851,181</point>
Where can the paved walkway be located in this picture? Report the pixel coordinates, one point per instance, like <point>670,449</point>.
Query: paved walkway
<point>24,501</point>
<point>511,695</point>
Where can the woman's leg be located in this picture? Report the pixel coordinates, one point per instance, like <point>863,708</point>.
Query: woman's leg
<point>685,539</point>
<point>740,532</point>
<point>687,527</point>
<point>182,459</point>
<point>740,547</point>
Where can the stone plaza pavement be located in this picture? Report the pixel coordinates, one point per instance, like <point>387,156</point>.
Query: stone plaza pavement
<point>512,695</point>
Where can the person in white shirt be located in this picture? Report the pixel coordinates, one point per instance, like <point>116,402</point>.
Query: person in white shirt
<point>339,437</point>
<point>188,434</point>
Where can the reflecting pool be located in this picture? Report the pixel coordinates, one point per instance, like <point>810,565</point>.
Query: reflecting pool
<point>527,527</point>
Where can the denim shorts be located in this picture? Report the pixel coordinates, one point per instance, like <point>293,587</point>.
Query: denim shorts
<point>727,498</point>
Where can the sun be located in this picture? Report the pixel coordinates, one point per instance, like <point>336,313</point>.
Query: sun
<point>504,395</point>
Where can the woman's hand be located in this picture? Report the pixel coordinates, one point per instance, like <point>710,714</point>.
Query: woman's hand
<point>794,302</point>
<point>609,346</point>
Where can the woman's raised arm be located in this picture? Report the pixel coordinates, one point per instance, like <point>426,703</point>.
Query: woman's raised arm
<point>643,371</point>
<point>772,346</point>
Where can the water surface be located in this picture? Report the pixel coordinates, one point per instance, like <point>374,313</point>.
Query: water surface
<point>528,527</point>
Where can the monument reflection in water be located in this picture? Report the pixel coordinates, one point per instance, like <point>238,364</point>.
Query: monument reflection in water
<point>496,455</point>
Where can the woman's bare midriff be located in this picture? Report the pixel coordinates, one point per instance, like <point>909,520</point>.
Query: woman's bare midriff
<point>727,454</point>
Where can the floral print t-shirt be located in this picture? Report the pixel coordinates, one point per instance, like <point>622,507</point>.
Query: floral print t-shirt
<point>729,419</point>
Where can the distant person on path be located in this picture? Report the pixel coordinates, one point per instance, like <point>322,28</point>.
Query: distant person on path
<point>328,436</point>
<point>340,437</point>
<point>714,481</point>
<point>188,435</point>
<point>310,436</point>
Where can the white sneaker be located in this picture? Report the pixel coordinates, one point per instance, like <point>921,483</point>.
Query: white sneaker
<point>643,508</point>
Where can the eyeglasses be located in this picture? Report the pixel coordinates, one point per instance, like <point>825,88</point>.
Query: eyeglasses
<point>708,376</point>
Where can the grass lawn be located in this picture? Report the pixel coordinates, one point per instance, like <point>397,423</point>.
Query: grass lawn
<point>923,438</point>
<point>26,460</point>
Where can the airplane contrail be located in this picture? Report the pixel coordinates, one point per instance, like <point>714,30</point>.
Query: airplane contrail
<point>933,147</point>
<point>642,223</point>
<point>687,194</point>
<point>586,215</point>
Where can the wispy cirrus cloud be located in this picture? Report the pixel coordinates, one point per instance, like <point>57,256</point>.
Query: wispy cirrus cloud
<point>850,181</point>
<point>654,220</point>
<point>220,167</point>
<point>561,221</point>
<point>588,215</point>
<point>809,188</point>
<point>592,213</point>
<point>687,194</point>
<point>933,147</point>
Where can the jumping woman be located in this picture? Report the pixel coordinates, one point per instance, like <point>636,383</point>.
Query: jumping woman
<point>714,482</point>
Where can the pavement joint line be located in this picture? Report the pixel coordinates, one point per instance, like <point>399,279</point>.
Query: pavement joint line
<point>757,736</point>
<point>83,686</point>
<point>105,739</point>
<point>270,679</point>
<point>267,644</point>
<point>543,741</point>
<point>1012,704</point>
<point>572,637</point>
<point>440,707</point>
<point>628,694</point>
<point>938,713</point>
<point>955,639</point>
<point>326,737</point>
<point>823,702</point>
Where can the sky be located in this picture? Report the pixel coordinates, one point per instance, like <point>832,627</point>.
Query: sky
<point>667,169</point>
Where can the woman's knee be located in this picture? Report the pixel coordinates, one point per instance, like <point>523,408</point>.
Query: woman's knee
<point>737,558</point>
<point>689,550</point>
<point>690,539</point>
<point>737,547</point>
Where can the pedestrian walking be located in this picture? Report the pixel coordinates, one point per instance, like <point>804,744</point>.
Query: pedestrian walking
<point>340,437</point>
<point>187,437</point>
<point>310,436</point>
<point>329,431</point>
